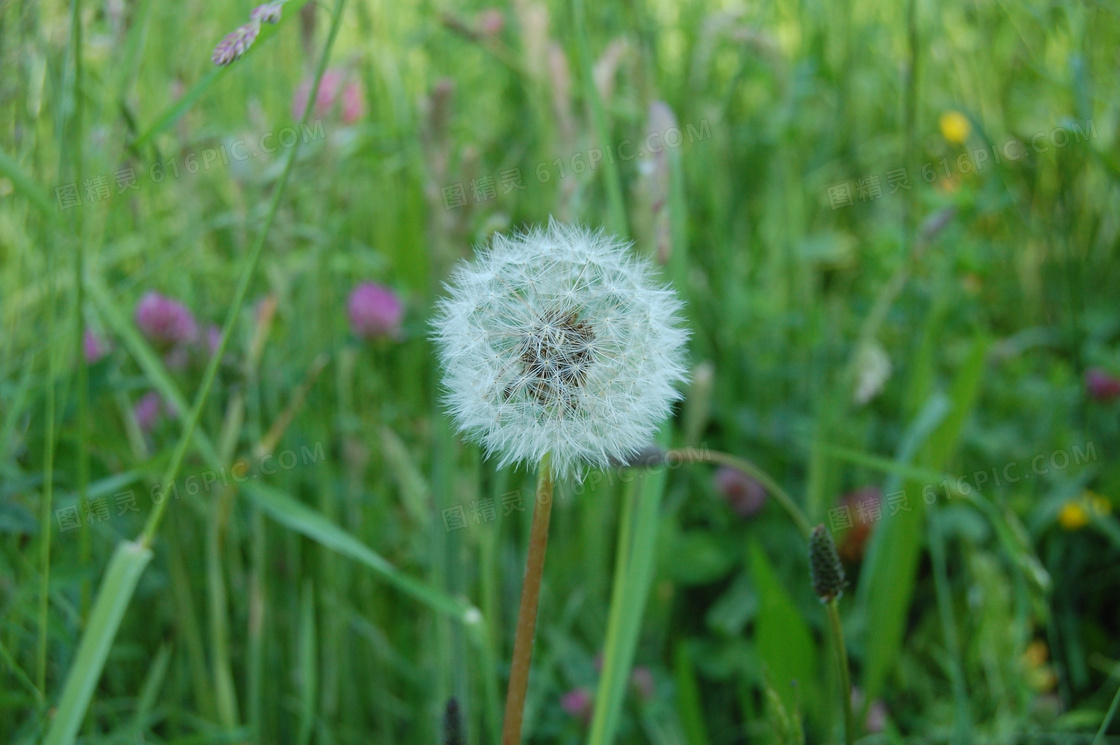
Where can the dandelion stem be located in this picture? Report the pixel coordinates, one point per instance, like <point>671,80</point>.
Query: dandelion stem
<point>527,615</point>
<point>842,663</point>
<point>693,455</point>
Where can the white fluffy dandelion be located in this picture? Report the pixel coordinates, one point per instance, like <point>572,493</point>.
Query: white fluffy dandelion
<point>559,341</point>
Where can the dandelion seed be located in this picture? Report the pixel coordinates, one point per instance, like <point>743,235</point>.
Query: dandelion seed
<point>559,341</point>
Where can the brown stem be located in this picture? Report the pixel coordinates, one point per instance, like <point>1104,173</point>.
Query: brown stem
<point>527,615</point>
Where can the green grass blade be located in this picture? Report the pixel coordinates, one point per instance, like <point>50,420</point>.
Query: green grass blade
<point>308,665</point>
<point>26,185</point>
<point>18,672</point>
<point>784,643</point>
<point>688,698</point>
<point>153,682</point>
<point>616,212</point>
<point>125,568</point>
<point>306,521</point>
<point>628,600</point>
<point>887,585</point>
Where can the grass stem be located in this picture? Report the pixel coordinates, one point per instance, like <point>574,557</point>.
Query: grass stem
<point>837,632</point>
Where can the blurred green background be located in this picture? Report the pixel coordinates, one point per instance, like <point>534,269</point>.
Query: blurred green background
<point>894,226</point>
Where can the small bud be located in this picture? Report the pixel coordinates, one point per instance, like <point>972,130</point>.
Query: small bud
<point>824,565</point>
<point>743,493</point>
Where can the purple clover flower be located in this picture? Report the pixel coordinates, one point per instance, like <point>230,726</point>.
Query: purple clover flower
<point>353,103</point>
<point>375,311</point>
<point>94,347</point>
<point>165,322</point>
<point>147,411</point>
<point>213,338</point>
<point>578,703</point>
<point>329,88</point>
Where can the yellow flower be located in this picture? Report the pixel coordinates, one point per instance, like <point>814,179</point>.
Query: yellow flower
<point>1073,516</point>
<point>955,127</point>
<point>1075,513</point>
<point>1036,653</point>
<point>1039,675</point>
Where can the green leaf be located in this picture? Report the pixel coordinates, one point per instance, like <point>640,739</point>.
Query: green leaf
<point>783,640</point>
<point>125,568</point>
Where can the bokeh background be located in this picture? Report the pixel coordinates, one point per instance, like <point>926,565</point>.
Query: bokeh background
<point>894,226</point>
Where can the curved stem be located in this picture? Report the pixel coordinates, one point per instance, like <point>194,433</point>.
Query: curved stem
<point>527,615</point>
<point>692,455</point>
<point>842,664</point>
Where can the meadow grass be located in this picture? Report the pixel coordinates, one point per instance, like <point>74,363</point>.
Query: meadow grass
<point>298,548</point>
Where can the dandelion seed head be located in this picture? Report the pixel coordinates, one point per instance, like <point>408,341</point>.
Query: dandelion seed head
<point>559,341</point>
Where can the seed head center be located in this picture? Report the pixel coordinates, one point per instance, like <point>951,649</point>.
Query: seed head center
<point>556,354</point>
